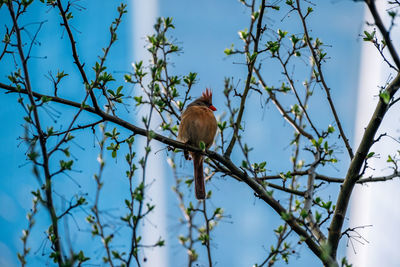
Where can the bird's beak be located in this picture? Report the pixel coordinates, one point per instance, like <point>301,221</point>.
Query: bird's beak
<point>212,108</point>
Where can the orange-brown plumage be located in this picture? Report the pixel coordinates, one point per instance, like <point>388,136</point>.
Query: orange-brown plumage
<point>198,124</point>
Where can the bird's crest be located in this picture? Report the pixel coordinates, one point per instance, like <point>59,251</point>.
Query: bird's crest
<point>207,95</point>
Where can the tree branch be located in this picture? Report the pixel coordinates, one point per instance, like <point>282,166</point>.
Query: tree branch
<point>384,32</point>
<point>42,141</point>
<point>248,80</point>
<point>299,129</point>
<point>258,189</point>
<point>281,188</point>
<point>308,199</point>
<point>75,54</point>
<point>353,172</point>
<point>324,85</point>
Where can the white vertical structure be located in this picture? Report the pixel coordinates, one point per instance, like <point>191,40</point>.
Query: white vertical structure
<point>376,204</point>
<point>144,16</point>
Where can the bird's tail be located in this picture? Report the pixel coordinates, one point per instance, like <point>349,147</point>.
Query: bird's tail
<point>199,185</point>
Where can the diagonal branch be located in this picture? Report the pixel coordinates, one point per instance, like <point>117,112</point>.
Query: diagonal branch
<point>281,188</point>
<point>315,248</point>
<point>75,54</point>
<point>234,170</point>
<point>386,34</point>
<point>297,127</point>
<point>324,85</point>
<point>293,87</point>
<point>353,173</point>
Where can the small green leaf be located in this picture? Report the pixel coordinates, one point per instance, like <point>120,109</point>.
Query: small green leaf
<point>244,164</point>
<point>285,216</point>
<point>202,145</point>
<point>255,15</point>
<point>303,213</point>
<point>318,216</point>
<point>252,57</point>
<point>45,99</point>
<point>281,33</point>
<point>243,34</point>
<point>320,141</point>
<point>370,154</point>
<point>385,96</point>
<point>160,243</point>
<point>228,51</point>
<point>369,37</point>
<point>327,205</point>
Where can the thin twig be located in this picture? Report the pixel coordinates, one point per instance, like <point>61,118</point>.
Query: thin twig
<point>249,76</point>
<point>42,141</point>
<point>207,241</point>
<point>298,128</point>
<point>386,34</point>
<point>75,54</point>
<point>322,79</point>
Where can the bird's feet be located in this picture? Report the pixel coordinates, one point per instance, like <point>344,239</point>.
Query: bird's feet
<point>186,153</point>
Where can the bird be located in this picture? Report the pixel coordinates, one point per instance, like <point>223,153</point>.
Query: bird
<point>198,124</point>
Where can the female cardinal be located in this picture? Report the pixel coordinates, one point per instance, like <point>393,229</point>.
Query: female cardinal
<point>198,124</point>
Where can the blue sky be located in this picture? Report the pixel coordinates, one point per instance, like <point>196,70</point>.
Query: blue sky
<point>204,29</point>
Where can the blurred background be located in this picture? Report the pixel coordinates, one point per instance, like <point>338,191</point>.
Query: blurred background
<point>203,29</point>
